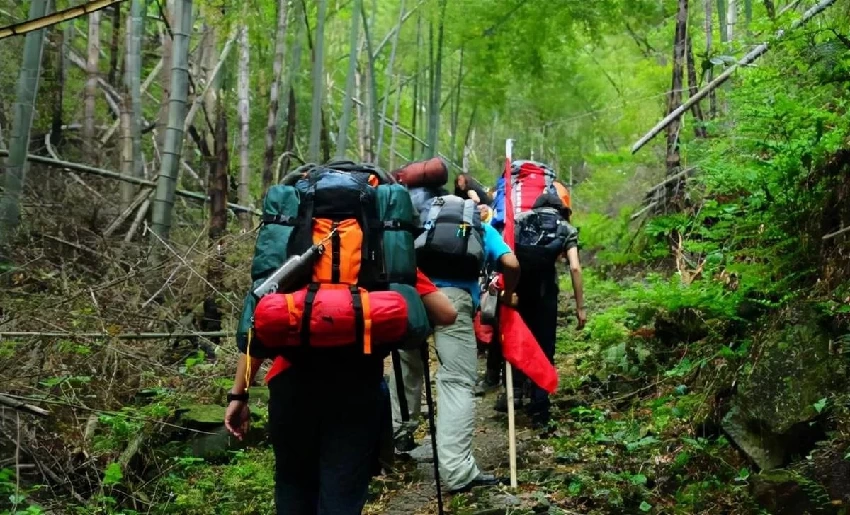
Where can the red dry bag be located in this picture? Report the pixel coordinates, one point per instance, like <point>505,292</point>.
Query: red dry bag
<point>333,317</point>
<point>431,173</point>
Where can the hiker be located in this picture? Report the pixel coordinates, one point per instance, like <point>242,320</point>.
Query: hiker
<point>325,398</point>
<point>467,187</point>
<point>543,235</point>
<point>451,252</point>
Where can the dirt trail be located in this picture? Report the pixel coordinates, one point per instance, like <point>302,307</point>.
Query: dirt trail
<point>411,489</point>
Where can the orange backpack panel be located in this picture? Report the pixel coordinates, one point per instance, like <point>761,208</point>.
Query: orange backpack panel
<point>563,194</point>
<point>340,262</point>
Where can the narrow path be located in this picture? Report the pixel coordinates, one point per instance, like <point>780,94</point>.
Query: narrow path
<point>411,489</point>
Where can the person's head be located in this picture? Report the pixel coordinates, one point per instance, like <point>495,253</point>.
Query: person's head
<point>460,182</point>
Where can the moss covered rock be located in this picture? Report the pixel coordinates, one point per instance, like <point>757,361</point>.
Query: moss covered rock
<point>776,409</point>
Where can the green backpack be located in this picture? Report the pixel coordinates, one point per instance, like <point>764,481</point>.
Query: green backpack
<point>337,193</point>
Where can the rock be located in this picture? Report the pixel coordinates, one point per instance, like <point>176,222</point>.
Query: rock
<point>201,416</point>
<point>779,492</point>
<point>505,500</point>
<point>772,417</point>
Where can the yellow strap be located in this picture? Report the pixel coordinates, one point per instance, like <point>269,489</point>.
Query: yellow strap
<point>248,358</point>
<point>367,322</point>
<point>290,308</point>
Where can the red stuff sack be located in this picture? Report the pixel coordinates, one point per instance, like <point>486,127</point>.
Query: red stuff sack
<point>483,332</point>
<point>530,180</point>
<point>334,321</point>
<point>431,173</point>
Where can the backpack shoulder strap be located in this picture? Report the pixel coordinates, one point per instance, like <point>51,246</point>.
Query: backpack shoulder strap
<point>436,206</point>
<point>469,209</point>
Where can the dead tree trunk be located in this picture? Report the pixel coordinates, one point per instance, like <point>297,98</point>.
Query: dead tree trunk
<point>91,87</point>
<point>218,182</point>
<point>274,101</point>
<point>693,87</point>
<point>675,97</point>
<point>243,85</point>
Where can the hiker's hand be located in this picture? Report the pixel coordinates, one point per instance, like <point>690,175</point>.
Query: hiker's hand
<point>237,418</point>
<point>581,316</point>
<point>509,299</point>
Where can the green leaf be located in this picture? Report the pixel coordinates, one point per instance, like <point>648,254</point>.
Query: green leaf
<point>820,405</point>
<point>645,506</point>
<point>112,475</point>
<point>638,479</point>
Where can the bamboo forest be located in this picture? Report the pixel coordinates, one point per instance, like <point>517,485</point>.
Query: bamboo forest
<point>705,147</point>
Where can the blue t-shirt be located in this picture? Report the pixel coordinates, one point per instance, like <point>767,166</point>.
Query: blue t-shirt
<point>494,248</point>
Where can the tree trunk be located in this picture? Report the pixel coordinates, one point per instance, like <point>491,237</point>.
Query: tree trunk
<point>213,67</point>
<point>416,90</point>
<point>399,91</point>
<point>294,64</point>
<point>59,89</point>
<point>165,79</point>
<point>732,19</point>
<point>172,150</point>
<point>693,87</point>
<point>217,188</point>
<point>455,112</point>
<point>675,98</point>
<point>436,88</point>
<point>351,77</point>
<point>318,84</point>
<point>709,40</point>
<point>114,50</point>
<point>771,8</point>
<point>131,104</point>
<point>371,100</point>
<point>89,104</point>
<point>388,81</point>
<point>274,101</point>
<point>23,109</point>
<point>243,192</point>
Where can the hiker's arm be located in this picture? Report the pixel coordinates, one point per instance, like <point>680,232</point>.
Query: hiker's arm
<point>440,309</point>
<point>578,287</point>
<point>239,383</point>
<point>510,274</point>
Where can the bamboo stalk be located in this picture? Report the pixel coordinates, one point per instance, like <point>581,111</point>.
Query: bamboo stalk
<point>22,406</point>
<point>68,166</point>
<point>723,77</point>
<point>18,29</point>
<point>121,336</point>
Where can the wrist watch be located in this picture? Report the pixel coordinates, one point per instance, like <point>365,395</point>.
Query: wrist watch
<point>243,397</point>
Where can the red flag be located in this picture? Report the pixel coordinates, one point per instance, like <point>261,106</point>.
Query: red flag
<point>519,346</point>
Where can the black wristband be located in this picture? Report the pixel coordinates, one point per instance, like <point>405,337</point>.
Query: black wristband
<point>243,397</point>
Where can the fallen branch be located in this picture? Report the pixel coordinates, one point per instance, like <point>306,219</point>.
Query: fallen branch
<point>23,406</point>
<point>644,210</point>
<point>19,29</point>
<point>723,77</point>
<point>138,220</point>
<point>67,166</point>
<point>81,248</point>
<point>140,197</point>
<point>836,233</point>
<point>196,103</point>
<point>121,336</point>
<point>672,178</point>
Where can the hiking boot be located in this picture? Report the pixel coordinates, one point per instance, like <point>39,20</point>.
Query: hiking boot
<point>481,479</point>
<point>484,386</point>
<point>404,443</point>
<point>502,402</point>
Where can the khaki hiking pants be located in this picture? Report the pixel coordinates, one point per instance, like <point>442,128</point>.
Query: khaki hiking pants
<point>457,353</point>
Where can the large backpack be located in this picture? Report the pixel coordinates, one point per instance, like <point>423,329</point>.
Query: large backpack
<point>372,248</point>
<point>541,212</point>
<point>452,244</point>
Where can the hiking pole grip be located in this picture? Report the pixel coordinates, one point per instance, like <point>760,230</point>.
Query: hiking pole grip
<point>429,399</point>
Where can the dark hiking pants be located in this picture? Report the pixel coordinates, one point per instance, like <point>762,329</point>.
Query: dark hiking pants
<point>539,311</point>
<point>324,428</point>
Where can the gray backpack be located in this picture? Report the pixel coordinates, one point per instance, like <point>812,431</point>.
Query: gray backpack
<point>452,244</point>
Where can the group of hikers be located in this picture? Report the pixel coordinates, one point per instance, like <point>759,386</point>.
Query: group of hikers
<point>353,265</point>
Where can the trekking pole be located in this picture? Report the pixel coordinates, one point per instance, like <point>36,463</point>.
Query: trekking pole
<point>509,376</point>
<point>430,401</point>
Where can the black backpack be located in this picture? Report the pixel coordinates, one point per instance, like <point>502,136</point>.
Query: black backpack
<point>542,235</point>
<point>452,244</point>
